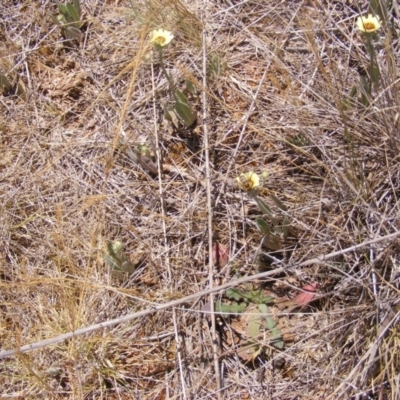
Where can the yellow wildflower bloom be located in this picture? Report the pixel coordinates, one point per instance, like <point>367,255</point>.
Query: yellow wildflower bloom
<point>368,24</point>
<point>248,181</point>
<point>161,37</point>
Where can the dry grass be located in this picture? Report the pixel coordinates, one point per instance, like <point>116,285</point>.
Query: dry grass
<point>68,186</point>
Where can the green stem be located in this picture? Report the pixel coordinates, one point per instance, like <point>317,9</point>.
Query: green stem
<point>170,82</point>
<point>374,73</point>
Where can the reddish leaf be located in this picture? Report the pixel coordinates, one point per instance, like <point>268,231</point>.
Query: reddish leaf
<point>220,255</point>
<point>307,295</point>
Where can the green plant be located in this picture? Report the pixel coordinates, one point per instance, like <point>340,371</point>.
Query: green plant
<point>250,307</point>
<point>144,156</point>
<point>70,20</point>
<point>117,260</point>
<point>276,230</point>
<point>181,110</point>
<point>369,81</point>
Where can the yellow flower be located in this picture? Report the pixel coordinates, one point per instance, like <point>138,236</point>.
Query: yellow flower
<point>161,37</point>
<point>368,24</point>
<point>248,181</point>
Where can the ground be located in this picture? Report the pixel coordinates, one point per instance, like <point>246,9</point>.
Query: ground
<point>109,209</point>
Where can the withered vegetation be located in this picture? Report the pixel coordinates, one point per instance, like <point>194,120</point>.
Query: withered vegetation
<point>78,107</point>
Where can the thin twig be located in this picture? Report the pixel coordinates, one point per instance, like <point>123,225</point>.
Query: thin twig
<point>178,352</point>
<point>209,219</point>
<point>159,168</point>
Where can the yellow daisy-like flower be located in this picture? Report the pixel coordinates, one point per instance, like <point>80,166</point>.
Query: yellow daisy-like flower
<point>368,24</point>
<point>248,181</point>
<point>161,37</point>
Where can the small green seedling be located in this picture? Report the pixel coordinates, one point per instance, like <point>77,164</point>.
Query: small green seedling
<point>69,20</point>
<point>144,156</point>
<point>181,110</point>
<point>118,261</point>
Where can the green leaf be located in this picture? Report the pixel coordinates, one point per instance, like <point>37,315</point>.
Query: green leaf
<point>112,263</point>
<point>264,299</point>
<point>262,226</point>
<point>181,97</point>
<point>227,309</point>
<point>73,33</point>
<point>190,87</point>
<point>67,17</point>
<point>117,260</point>
<point>257,297</point>
<point>249,296</point>
<point>234,294</point>
<point>254,324</point>
<point>77,8</point>
<point>364,100</point>
<point>271,325</point>
<point>185,114</point>
<point>263,308</point>
<point>146,162</point>
<point>263,207</point>
<point>365,91</point>
<point>278,203</point>
<point>63,10</point>
<point>365,85</point>
<point>110,250</point>
<point>353,92</point>
<point>59,20</point>
<point>171,116</point>
<point>127,266</point>
<point>276,338</point>
<point>252,296</point>
<point>116,250</point>
<point>73,12</point>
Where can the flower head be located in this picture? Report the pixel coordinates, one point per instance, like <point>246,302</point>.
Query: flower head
<point>161,37</point>
<point>248,181</point>
<point>368,24</point>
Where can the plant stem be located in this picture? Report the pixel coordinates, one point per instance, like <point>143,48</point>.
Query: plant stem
<point>374,73</point>
<point>170,82</point>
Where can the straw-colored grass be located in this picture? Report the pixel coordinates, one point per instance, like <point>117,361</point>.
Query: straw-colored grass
<point>279,76</point>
